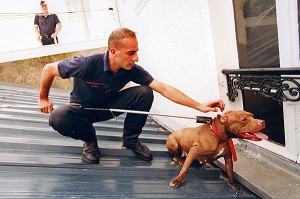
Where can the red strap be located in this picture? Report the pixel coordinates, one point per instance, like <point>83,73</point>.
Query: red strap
<point>229,140</point>
<point>232,149</point>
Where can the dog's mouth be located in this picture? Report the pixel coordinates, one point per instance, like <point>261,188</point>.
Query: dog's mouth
<point>255,136</point>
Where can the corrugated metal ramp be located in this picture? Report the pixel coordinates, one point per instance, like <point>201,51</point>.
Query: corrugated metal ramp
<point>37,162</point>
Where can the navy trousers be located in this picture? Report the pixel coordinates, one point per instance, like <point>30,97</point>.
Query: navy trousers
<point>74,121</point>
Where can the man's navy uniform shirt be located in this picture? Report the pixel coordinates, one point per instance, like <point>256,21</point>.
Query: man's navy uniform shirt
<point>46,24</point>
<point>94,84</point>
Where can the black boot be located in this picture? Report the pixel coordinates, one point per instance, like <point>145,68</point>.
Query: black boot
<point>90,152</point>
<point>139,149</point>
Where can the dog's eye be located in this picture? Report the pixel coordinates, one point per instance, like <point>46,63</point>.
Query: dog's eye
<point>244,119</point>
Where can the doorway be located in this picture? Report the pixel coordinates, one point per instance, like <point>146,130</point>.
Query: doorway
<point>257,40</point>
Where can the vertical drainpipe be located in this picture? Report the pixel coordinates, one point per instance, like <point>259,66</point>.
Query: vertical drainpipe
<point>84,20</point>
<point>117,13</point>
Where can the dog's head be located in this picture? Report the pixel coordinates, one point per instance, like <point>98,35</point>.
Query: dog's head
<point>243,125</point>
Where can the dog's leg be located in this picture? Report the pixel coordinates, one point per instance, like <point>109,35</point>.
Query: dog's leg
<point>192,155</point>
<point>229,169</point>
<point>172,144</point>
<point>174,148</point>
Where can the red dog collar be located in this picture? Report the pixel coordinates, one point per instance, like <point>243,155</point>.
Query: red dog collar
<point>229,140</point>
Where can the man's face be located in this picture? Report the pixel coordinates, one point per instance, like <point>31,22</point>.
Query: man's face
<point>44,8</point>
<point>126,56</point>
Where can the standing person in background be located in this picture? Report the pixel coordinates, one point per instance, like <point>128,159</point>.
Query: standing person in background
<point>46,26</point>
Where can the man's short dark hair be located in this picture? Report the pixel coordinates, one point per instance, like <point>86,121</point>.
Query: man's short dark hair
<point>42,2</point>
<point>117,35</point>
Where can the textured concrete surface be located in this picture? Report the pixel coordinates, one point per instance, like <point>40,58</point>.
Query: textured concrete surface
<point>264,173</point>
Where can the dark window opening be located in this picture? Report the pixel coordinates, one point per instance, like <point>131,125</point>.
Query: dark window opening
<point>257,40</point>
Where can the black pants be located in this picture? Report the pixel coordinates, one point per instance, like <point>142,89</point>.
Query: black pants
<point>74,121</point>
<point>47,41</point>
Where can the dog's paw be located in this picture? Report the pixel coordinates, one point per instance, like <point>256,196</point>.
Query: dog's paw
<point>172,163</point>
<point>234,186</point>
<point>179,160</point>
<point>174,183</point>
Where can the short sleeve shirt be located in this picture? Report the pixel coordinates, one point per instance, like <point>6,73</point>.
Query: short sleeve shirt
<point>47,24</point>
<point>94,84</point>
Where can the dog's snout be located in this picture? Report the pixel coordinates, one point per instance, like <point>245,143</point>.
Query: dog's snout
<point>262,122</point>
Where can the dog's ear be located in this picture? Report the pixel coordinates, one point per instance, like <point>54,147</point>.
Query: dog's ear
<point>223,118</point>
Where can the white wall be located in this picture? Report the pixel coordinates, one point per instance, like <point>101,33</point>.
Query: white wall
<point>176,47</point>
<point>225,46</point>
<point>187,44</point>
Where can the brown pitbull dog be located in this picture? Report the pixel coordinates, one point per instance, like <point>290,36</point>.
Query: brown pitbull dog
<point>209,142</point>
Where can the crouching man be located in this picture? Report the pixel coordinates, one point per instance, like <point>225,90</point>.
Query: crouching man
<point>97,82</point>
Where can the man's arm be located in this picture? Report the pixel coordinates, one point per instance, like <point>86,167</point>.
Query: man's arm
<point>179,97</point>
<point>57,30</point>
<point>37,32</point>
<point>58,27</point>
<point>49,72</point>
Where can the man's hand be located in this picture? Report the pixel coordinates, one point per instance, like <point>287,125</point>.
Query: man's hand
<point>45,105</point>
<point>53,35</point>
<point>213,106</point>
<point>39,37</point>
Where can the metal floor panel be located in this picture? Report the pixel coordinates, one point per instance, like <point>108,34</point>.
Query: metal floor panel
<point>37,162</point>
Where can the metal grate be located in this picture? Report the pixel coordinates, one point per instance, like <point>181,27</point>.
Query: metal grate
<point>37,162</point>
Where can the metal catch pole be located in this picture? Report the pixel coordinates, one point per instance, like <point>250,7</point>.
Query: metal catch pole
<point>199,119</point>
